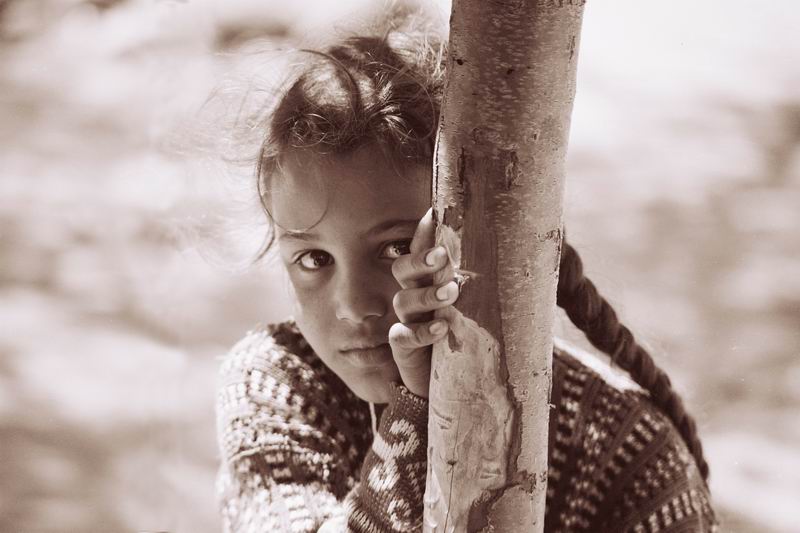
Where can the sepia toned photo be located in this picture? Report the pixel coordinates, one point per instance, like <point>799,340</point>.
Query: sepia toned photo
<point>399,265</point>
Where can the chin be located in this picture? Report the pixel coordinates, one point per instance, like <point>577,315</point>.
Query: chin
<point>376,395</point>
<point>374,387</point>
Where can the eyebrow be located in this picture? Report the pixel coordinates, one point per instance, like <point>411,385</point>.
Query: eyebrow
<point>383,227</point>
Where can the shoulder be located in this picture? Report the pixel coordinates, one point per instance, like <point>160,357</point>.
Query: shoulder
<point>592,401</point>
<point>269,347</point>
<point>276,365</point>
<point>579,360</point>
<point>615,456</point>
<point>269,372</point>
<point>278,401</point>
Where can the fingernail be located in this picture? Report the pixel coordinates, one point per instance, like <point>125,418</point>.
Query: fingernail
<point>438,327</point>
<point>443,292</point>
<point>434,255</point>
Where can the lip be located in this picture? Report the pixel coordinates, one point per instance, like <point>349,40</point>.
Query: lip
<point>369,357</point>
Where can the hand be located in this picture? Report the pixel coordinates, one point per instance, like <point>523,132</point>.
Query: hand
<point>412,337</point>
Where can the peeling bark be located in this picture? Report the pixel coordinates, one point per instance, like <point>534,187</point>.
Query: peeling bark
<point>498,186</point>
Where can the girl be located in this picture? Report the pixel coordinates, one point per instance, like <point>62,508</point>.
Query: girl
<point>322,421</point>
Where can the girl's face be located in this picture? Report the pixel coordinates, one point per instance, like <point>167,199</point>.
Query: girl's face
<point>341,222</point>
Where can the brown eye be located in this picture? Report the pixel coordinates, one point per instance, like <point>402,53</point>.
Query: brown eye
<point>314,260</point>
<point>395,249</point>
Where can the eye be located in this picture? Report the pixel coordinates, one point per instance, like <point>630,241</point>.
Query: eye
<point>395,249</point>
<point>314,260</point>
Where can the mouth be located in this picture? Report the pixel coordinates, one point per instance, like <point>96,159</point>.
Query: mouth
<point>368,357</point>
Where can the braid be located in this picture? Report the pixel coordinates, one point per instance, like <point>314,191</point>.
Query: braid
<point>593,315</point>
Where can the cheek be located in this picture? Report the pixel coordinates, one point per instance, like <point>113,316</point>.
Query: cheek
<point>308,306</point>
<point>312,306</point>
<point>309,292</point>
<point>313,324</point>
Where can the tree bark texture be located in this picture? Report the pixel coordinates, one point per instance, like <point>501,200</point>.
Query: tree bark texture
<point>498,187</point>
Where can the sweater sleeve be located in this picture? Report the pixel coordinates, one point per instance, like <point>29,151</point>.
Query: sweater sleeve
<point>661,488</point>
<point>389,495</point>
<point>616,462</point>
<point>293,444</point>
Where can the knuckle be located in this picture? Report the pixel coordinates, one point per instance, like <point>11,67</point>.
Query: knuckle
<point>399,335</point>
<point>430,297</point>
<point>422,336</point>
<point>419,261</point>
<point>397,300</point>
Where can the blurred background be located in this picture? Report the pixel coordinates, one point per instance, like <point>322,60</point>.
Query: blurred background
<point>123,272</point>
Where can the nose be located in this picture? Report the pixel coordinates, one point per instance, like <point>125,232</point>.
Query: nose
<point>359,296</point>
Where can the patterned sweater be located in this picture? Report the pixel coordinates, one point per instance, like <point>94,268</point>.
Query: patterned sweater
<point>298,450</point>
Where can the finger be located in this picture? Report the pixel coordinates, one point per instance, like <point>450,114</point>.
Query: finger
<point>425,234</point>
<point>412,268</point>
<point>410,303</point>
<point>405,338</point>
<point>412,353</point>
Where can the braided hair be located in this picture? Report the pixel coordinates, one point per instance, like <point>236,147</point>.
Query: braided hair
<point>386,90</point>
<point>595,317</point>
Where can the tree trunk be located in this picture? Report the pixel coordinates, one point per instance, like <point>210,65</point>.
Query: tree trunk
<point>498,186</point>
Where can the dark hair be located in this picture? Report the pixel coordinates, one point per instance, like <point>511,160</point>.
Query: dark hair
<point>382,90</point>
<point>387,90</point>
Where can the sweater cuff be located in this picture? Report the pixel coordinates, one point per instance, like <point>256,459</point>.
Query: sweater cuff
<point>389,497</point>
<point>405,404</point>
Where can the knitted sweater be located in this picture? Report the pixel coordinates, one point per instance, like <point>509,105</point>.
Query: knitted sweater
<point>298,451</point>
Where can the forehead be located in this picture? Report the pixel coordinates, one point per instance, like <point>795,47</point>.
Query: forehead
<point>359,189</point>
